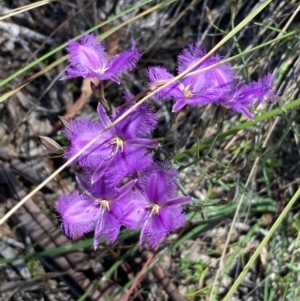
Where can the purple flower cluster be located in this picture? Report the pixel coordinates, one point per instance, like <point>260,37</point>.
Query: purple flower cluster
<point>121,185</point>
<point>148,203</point>
<point>215,84</point>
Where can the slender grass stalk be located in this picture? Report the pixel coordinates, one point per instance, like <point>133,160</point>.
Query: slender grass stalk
<point>262,244</point>
<point>108,273</point>
<point>24,8</point>
<point>247,124</point>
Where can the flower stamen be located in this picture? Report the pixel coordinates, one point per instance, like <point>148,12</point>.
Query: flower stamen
<point>117,146</point>
<point>187,92</point>
<point>101,70</point>
<point>104,204</point>
<point>155,209</point>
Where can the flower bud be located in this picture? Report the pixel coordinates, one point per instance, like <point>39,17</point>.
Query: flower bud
<point>261,151</point>
<point>239,163</point>
<point>52,145</point>
<point>232,194</point>
<point>65,122</point>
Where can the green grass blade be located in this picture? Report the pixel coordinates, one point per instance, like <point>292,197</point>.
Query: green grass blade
<point>74,246</point>
<point>262,244</point>
<point>239,127</point>
<point>108,273</point>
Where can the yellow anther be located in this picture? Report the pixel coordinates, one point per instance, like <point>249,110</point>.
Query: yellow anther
<point>187,92</point>
<point>104,204</point>
<point>155,209</point>
<point>118,146</point>
<point>119,143</point>
<point>101,70</point>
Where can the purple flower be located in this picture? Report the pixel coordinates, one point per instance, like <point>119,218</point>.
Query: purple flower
<point>88,59</point>
<point>196,87</point>
<point>245,96</point>
<point>215,85</point>
<point>100,209</point>
<point>121,151</point>
<point>157,211</point>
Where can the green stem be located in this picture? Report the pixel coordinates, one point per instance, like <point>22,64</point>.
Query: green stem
<point>238,128</point>
<point>262,245</point>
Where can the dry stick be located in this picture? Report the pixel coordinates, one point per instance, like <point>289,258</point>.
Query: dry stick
<point>251,175</point>
<point>24,8</point>
<point>286,26</point>
<point>140,275</point>
<point>125,114</point>
<point>167,284</point>
<point>288,23</point>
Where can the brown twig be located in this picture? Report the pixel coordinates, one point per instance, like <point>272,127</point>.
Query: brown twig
<point>167,284</point>
<point>139,276</point>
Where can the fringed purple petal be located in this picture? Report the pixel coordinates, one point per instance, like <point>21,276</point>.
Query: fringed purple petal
<point>81,133</point>
<point>122,206</point>
<point>181,200</point>
<point>137,213</point>
<point>159,76</point>
<point>134,218</point>
<point>260,91</point>
<point>138,124</point>
<point>247,95</point>
<point>108,228</point>
<point>159,225</point>
<point>78,214</point>
<point>126,163</point>
<point>157,190</point>
<point>221,77</point>
<point>191,54</point>
<point>158,183</point>
<point>264,88</point>
<point>112,226</point>
<point>152,232</point>
<point>99,229</point>
<point>124,61</point>
<point>197,81</point>
<point>86,55</point>
<point>172,218</point>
